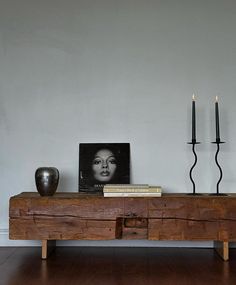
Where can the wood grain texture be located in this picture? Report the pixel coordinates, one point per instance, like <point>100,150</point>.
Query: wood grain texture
<point>62,228</point>
<point>79,206</point>
<point>79,216</point>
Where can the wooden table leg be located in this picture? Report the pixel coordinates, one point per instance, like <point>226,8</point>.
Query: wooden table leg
<point>47,247</point>
<point>222,248</point>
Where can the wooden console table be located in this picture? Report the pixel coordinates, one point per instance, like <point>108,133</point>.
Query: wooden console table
<point>75,216</point>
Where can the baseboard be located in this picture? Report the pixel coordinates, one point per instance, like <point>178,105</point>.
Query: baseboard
<point>5,241</point>
<point>136,243</point>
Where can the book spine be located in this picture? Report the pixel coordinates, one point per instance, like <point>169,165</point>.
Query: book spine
<point>132,190</point>
<point>126,186</point>
<point>132,194</point>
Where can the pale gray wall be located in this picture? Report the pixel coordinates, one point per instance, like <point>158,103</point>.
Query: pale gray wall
<point>116,71</point>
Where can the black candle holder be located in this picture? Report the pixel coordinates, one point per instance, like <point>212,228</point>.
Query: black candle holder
<point>193,143</point>
<point>218,142</point>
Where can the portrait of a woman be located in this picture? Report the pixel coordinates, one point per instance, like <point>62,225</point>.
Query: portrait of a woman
<point>103,163</point>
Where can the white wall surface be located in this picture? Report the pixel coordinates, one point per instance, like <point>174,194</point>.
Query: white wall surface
<point>116,71</point>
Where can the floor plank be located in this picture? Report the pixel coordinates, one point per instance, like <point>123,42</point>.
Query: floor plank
<point>116,266</point>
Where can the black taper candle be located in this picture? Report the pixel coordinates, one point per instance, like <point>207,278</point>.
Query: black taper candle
<point>193,120</point>
<point>217,121</point>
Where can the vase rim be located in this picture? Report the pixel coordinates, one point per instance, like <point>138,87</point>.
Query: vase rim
<point>46,167</point>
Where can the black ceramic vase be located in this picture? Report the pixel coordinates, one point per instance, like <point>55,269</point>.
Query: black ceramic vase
<point>46,179</point>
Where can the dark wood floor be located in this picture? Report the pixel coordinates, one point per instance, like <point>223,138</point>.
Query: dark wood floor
<point>116,266</point>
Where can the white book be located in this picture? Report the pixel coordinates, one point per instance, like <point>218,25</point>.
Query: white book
<point>132,194</point>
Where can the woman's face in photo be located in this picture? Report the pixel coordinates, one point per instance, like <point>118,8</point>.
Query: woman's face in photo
<point>104,165</point>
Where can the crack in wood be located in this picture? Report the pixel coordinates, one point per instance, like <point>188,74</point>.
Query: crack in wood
<point>193,220</point>
<point>114,219</point>
<point>59,216</point>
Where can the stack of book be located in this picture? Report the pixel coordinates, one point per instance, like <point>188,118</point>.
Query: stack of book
<point>131,190</point>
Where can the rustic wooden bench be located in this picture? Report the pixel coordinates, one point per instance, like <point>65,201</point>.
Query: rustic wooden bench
<point>75,216</point>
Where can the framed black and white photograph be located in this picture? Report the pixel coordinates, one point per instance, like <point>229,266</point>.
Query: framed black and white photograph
<point>103,163</point>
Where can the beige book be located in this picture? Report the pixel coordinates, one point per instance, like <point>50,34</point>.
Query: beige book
<point>131,194</point>
<point>149,189</point>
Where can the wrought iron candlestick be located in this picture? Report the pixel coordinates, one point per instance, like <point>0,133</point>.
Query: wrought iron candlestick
<point>193,143</point>
<point>218,142</point>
